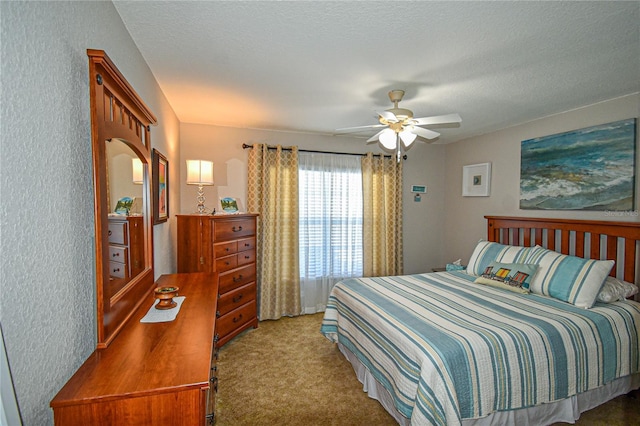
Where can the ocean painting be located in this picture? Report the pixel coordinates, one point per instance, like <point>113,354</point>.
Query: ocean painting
<point>586,169</point>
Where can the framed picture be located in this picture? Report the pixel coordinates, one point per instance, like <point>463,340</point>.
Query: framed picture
<point>476,180</point>
<point>593,169</point>
<point>160,187</point>
<point>229,205</point>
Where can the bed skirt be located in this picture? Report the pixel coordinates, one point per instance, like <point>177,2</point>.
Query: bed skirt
<point>567,410</point>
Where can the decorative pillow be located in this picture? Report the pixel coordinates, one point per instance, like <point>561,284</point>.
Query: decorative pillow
<point>509,276</point>
<point>487,252</point>
<point>568,278</point>
<point>615,289</point>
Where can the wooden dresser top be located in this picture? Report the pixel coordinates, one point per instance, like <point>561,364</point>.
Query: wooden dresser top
<point>149,358</point>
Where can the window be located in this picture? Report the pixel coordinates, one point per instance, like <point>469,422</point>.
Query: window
<point>330,224</point>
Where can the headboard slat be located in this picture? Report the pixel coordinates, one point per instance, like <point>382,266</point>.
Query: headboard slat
<point>579,249</point>
<point>564,242</point>
<point>595,246</point>
<point>629,260</point>
<point>538,233</point>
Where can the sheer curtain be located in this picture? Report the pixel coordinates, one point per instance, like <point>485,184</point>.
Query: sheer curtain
<point>272,191</point>
<point>330,224</point>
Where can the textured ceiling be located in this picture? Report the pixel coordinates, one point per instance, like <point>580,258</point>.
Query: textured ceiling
<point>319,66</point>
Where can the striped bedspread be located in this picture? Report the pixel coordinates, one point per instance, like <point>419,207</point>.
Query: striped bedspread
<point>447,349</point>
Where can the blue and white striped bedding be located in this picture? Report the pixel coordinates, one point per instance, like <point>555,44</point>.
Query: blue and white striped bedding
<point>447,349</point>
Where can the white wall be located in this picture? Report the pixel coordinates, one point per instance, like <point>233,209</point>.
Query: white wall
<point>464,222</point>
<point>47,297</point>
<point>223,145</point>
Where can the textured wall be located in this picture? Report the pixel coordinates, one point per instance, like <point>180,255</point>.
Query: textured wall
<point>47,306</point>
<point>465,223</point>
<point>424,166</point>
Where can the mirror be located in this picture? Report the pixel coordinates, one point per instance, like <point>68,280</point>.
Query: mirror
<point>120,134</point>
<point>125,173</point>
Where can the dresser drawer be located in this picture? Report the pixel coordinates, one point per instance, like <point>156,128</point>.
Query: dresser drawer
<point>231,229</point>
<point>236,298</point>
<point>246,244</point>
<point>236,278</point>
<point>118,270</point>
<point>225,249</point>
<point>117,232</point>
<point>226,263</point>
<point>235,319</point>
<point>246,257</point>
<point>118,254</point>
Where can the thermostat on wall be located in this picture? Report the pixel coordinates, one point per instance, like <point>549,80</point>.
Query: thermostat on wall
<point>419,189</point>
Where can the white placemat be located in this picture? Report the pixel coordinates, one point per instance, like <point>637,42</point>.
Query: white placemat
<point>163,315</point>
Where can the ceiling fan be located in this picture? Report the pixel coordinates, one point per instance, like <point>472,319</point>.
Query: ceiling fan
<point>400,127</point>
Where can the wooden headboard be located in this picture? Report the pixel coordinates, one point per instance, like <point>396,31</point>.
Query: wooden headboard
<point>590,239</point>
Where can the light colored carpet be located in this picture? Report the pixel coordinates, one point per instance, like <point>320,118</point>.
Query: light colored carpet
<point>286,373</point>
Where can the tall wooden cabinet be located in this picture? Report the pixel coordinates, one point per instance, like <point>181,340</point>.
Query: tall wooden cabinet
<point>225,244</point>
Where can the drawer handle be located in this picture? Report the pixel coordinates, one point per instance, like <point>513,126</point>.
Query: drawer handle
<point>116,270</point>
<point>239,278</point>
<point>247,257</point>
<point>237,298</point>
<point>110,232</point>
<point>236,230</point>
<point>227,249</point>
<point>227,263</point>
<point>247,245</point>
<point>238,318</point>
<point>116,255</point>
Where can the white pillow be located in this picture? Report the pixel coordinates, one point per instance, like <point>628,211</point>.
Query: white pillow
<point>615,289</point>
<point>568,278</point>
<point>487,252</point>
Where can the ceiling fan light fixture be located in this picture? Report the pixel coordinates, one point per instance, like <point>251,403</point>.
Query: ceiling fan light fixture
<point>388,139</point>
<point>407,137</point>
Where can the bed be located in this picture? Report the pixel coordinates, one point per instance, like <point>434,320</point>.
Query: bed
<point>535,346</point>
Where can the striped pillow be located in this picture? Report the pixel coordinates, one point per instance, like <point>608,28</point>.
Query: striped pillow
<point>568,278</point>
<point>487,252</point>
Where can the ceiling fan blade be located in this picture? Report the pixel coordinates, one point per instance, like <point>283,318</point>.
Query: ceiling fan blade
<point>389,116</point>
<point>350,129</point>
<point>438,119</point>
<point>425,133</point>
<point>375,137</point>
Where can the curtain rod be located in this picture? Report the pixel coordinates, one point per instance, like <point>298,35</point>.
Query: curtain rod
<point>245,146</point>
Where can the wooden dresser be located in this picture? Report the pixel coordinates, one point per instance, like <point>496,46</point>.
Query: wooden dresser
<point>225,244</point>
<point>151,373</point>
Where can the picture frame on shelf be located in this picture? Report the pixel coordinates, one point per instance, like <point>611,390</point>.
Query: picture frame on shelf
<point>476,180</point>
<point>160,187</point>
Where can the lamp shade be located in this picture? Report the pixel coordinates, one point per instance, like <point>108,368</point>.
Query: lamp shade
<point>388,139</point>
<point>407,137</point>
<point>199,172</point>
<point>136,169</point>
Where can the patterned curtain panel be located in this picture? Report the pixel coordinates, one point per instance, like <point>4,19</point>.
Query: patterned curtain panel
<point>382,225</point>
<point>273,193</point>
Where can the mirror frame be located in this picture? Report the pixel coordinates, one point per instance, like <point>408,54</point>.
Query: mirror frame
<point>117,112</point>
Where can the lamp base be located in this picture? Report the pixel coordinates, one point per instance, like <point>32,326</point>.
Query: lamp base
<point>201,209</point>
